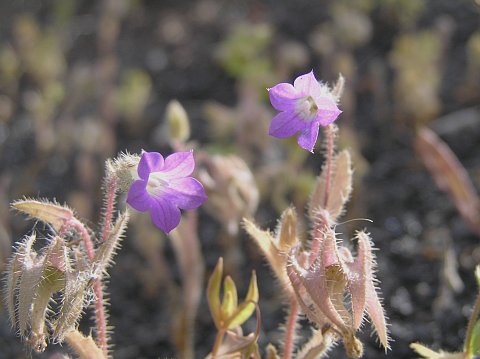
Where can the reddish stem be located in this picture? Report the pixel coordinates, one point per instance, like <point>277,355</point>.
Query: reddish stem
<point>315,246</point>
<point>290,325</point>
<point>87,240</point>
<point>328,169</point>
<point>100,317</point>
<point>109,206</point>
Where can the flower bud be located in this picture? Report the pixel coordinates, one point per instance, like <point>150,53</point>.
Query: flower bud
<point>178,123</point>
<point>124,169</point>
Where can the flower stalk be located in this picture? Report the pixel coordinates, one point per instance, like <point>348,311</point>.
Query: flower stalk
<point>290,328</point>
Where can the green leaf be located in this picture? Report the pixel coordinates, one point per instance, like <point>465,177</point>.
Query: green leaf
<point>474,344</point>
<point>245,310</point>
<point>213,293</point>
<point>477,275</point>
<point>230,298</point>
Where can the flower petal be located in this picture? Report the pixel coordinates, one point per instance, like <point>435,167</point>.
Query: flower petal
<point>179,164</point>
<point>308,85</point>
<point>150,162</point>
<point>165,215</point>
<point>138,197</point>
<point>327,110</point>
<point>286,124</point>
<point>186,193</point>
<point>283,96</point>
<point>308,137</point>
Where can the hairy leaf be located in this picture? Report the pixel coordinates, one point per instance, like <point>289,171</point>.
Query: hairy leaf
<point>45,211</point>
<point>84,347</point>
<point>339,190</point>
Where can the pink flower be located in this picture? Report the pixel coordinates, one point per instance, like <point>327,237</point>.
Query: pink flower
<point>304,107</point>
<point>164,187</point>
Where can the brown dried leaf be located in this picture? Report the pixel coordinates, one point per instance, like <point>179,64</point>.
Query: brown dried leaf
<point>449,175</point>
<point>340,187</point>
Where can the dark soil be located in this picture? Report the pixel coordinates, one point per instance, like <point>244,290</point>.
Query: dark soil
<point>413,222</point>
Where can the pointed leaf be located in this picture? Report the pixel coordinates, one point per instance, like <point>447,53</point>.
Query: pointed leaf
<point>315,281</point>
<point>430,354</point>
<point>76,288</point>
<point>271,352</point>
<point>55,256</point>
<point>51,281</point>
<point>29,280</point>
<point>245,310</point>
<point>230,298</point>
<point>104,254</point>
<point>295,274</point>
<point>477,275</point>
<point>339,190</point>
<point>13,276</point>
<point>287,236</point>
<point>213,293</point>
<point>45,211</point>
<point>474,344</point>
<point>318,344</point>
<point>357,279</point>
<point>84,347</point>
<point>373,304</point>
<point>266,242</point>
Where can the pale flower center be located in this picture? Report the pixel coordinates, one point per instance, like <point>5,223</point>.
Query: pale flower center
<point>156,183</point>
<point>307,108</point>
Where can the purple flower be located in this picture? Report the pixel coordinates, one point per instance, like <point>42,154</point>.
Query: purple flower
<point>304,107</point>
<point>164,186</point>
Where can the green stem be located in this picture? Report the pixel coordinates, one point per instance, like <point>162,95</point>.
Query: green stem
<point>471,326</point>
<point>218,342</point>
<point>290,326</point>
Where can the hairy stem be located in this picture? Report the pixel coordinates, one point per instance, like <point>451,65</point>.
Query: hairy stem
<point>328,170</point>
<point>111,187</point>
<point>100,317</point>
<point>290,329</point>
<point>87,240</point>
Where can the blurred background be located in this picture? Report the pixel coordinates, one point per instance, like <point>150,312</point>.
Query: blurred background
<point>81,81</point>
